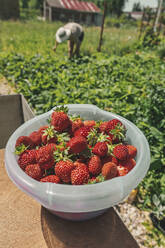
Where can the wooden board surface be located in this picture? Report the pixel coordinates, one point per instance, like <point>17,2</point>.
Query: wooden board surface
<point>19,215</point>
<point>24,223</point>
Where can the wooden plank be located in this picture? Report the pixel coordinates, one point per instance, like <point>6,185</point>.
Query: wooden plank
<point>19,215</point>
<point>27,111</point>
<point>104,231</point>
<point>14,111</point>
<point>11,116</point>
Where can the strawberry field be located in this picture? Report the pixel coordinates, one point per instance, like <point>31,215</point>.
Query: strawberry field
<point>131,84</point>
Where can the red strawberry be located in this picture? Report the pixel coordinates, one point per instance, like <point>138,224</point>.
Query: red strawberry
<point>60,121</point>
<point>110,158</point>
<point>121,152</point>
<point>116,130</point>
<point>112,124</point>
<point>103,126</point>
<point>100,149</point>
<point>36,138</point>
<point>129,164</point>
<point>50,179</point>
<point>109,170</point>
<point>26,158</point>
<point>80,175</point>
<point>132,151</point>
<point>76,124</point>
<point>83,131</point>
<point>44,155</point>
<point>49,136</point>
<point>90,123</point>
<point>94,165</point>
<point>77,164</point>
<point>34,171</point>
<point>42,129</point>
<point>63,170</point>
<point>51,148</point>
<point>47,165</point>
<point>77,144</point>
<point>121,170</point>
<point>25,140</point>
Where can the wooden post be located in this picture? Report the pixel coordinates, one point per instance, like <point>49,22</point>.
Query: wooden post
<point>44,9</point>
<point>102,26</point>
<point>141,25</point>
<point>50,14</point>
<point>158,15</point>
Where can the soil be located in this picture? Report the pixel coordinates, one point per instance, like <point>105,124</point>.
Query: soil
<point>6,88</point>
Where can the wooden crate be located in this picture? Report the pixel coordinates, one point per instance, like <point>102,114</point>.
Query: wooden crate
<point>14,111</point>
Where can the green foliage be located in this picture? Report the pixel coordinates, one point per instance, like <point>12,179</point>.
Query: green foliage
<point>149,38</point>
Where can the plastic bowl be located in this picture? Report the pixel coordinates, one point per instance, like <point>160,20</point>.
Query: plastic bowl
<point>82,202</point>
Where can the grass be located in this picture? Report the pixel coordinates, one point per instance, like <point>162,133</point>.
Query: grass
<point>33,37</point>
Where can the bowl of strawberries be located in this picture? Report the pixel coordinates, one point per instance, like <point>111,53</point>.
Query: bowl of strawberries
<point>77,160</point>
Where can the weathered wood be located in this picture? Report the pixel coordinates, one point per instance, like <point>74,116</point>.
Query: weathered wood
<point>14,111</point>
<point>104,231</point>
<point>19,215</point>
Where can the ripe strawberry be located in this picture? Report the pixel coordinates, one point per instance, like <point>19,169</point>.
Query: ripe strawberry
<point>50,179</point>
<point>121,170</point>
<point>83,131</point>
<point>76,124</point>
<point>36,138</point>
<point>44,155</point>
<point>132,151</point>
<point>26,158</point>
<point>110,158</point>
<point>60,121</point>
<point>103,126</point>
<point>49,136</point>
<point>51,148</point>
<point>129,164</point>
<point>116,130</point>
<point>94,165</point>
<point>63,170</point>
<point>112,124</point>
<point>120,152</point>
<point>25,140</point>
<point>77,144</point>
<point>100,149</point>
<point>80,175</point>
<point>47,165</point>
<point>34,171</point>
<point>109,170</point>
<point>42,129</point>
<point>78,164</point>
<point>90,123</point>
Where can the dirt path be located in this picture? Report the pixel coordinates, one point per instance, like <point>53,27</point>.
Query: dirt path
<point>6,88</point>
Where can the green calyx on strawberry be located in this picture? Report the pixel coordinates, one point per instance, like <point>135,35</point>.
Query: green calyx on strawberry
<point>49,135</point>
<point>20,149</point>
<point>61,108</point>
<point>100,178</point>
<point>92,137</point>
<point>62,153</point>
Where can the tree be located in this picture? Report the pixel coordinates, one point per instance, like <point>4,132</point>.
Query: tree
<point>137,7</point>
<point>9,9</point>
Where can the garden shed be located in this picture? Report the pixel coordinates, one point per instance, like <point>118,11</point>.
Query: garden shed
<point>72,10</point>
